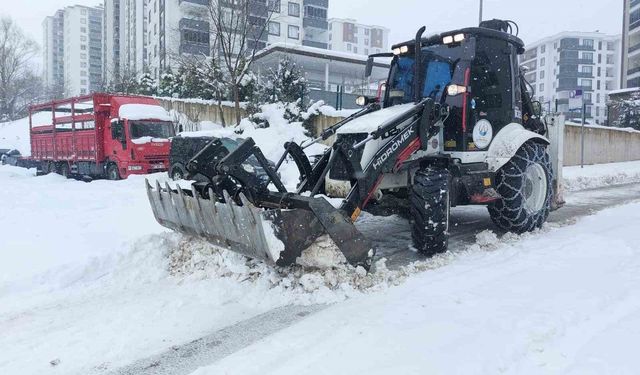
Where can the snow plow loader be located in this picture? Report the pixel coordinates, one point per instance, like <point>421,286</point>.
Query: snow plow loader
<point>456,126</point>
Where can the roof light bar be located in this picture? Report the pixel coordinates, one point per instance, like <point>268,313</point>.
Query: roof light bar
<point>458,38</point>
<point>447,39</point>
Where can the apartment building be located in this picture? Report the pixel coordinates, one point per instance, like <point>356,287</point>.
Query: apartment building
<point>346,35</point>
<point>75,33</point>
<point>630,71</point>
<point>559,65</point>
<point>53,50</point>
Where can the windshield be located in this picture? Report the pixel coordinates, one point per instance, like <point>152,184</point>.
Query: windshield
<point>153,129</point>
<point>439,62</point>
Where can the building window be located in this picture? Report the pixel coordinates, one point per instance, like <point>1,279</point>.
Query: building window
<point>83,91</point>
<point>83,82</point>
<point>610,59</point>
<point>355,49</point>
<point>587,69</point>
<point>587,97</point>
<point>274,6</point>
<point>349,47</point>
<point>83,11</point>
<point>599,85</point>
<point>541,87</point>
<point>83,21</point>
<point>294,32</point>
<point>83,73</point>
<point>83,47</point>
<point>83,38</point>
<point>542,61</point>
<point>366,42</point>
<point>586,83</point>
<point>587,56</point>
<point>611,46</point>
<point>366,51</point>
<point>294,10</point>
<point>598,98</point>
<point>543,48</point>
<point>274,28</point>
<point>83,30</point>
<point>83,56</point>
<point>83,64</point>
<point>588,43</point>
<point>366,31</point>
<point>542,74</point>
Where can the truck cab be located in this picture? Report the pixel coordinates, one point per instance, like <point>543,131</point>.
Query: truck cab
<point>137,137</point>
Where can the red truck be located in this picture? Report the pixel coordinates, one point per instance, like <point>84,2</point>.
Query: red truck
<point>100,136</point>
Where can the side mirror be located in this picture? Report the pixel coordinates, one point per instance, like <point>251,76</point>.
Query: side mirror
<point>369,68</point>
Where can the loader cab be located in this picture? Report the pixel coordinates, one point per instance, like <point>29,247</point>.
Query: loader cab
<point>473,71</point>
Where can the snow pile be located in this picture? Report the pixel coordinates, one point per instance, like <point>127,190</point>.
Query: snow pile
<point>15,134</point>
<point>594,176</point>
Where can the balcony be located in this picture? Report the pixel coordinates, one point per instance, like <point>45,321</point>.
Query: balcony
<point>317,23</point>
<point>318,3</point>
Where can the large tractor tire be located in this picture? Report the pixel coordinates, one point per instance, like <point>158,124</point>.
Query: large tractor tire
<point>430,207</point>
<point>525,184</point>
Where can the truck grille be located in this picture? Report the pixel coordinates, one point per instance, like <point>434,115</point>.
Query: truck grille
<point>156,157</point>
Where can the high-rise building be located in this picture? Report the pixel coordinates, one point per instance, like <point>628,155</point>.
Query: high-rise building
<point>346,35</point>
<point>125,42</point>
<point>75,33</point>
<point>53,51</point>
<point>560,65</point>
<point>630,71</point>
<point>315,23</point>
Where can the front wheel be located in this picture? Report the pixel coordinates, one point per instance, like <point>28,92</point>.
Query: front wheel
<point>112,172</point>
<point>430,209</point>
<point>178,172</point>
<point>525,184</point>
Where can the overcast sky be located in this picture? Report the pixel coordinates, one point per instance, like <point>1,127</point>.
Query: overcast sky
<point>537,19</point>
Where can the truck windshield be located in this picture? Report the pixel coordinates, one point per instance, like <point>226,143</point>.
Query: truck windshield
<point>439,64</point>
<point>154,129</point>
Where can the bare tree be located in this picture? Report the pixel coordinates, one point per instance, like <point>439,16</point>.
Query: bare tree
<point>19,84</point>
<point>240,30</point>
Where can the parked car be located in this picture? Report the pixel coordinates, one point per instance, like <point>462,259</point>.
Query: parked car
<point>9,156</point>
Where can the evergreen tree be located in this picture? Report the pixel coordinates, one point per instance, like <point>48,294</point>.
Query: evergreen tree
<point>288,84</point>
<point>147,85</point>
<point>169,84</point>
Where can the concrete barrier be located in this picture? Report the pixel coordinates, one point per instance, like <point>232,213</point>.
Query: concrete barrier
<point>602,144</point>
<point>202,110</point>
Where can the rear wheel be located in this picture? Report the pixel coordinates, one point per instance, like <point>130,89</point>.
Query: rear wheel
<point>65,170</point>
<point>525,184</point>
<point>430,208</point>
<point>112,172</point>
<point>178,172</point>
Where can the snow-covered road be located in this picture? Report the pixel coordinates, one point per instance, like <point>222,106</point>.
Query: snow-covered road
<point>89,281</point>
<point>562,302</point>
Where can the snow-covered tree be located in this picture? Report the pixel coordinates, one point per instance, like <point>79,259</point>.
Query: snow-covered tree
<point>625,112</point>
<point>169,84</point>
<point>147,85</point>
<point>288,84</point>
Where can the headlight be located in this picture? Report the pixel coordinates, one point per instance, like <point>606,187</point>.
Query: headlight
<point>404,49</point>
<point>361,101</point>
<point>397,51</point>
<point>453,90</point>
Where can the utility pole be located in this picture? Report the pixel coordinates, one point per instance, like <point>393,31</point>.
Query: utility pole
<point>481,6</point>
<point>584,119</point>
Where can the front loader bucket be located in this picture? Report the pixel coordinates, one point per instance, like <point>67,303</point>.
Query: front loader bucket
<point>277,236</point>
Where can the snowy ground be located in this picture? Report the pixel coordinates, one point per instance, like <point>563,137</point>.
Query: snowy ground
<point>565,302</point>
<point>89,279</point>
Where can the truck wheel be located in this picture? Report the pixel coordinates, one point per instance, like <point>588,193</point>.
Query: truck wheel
<point>112,172</point>
<point>65,170</point>
<point>430,207</point>
<point>525,184</point>
<point>178,172</point>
